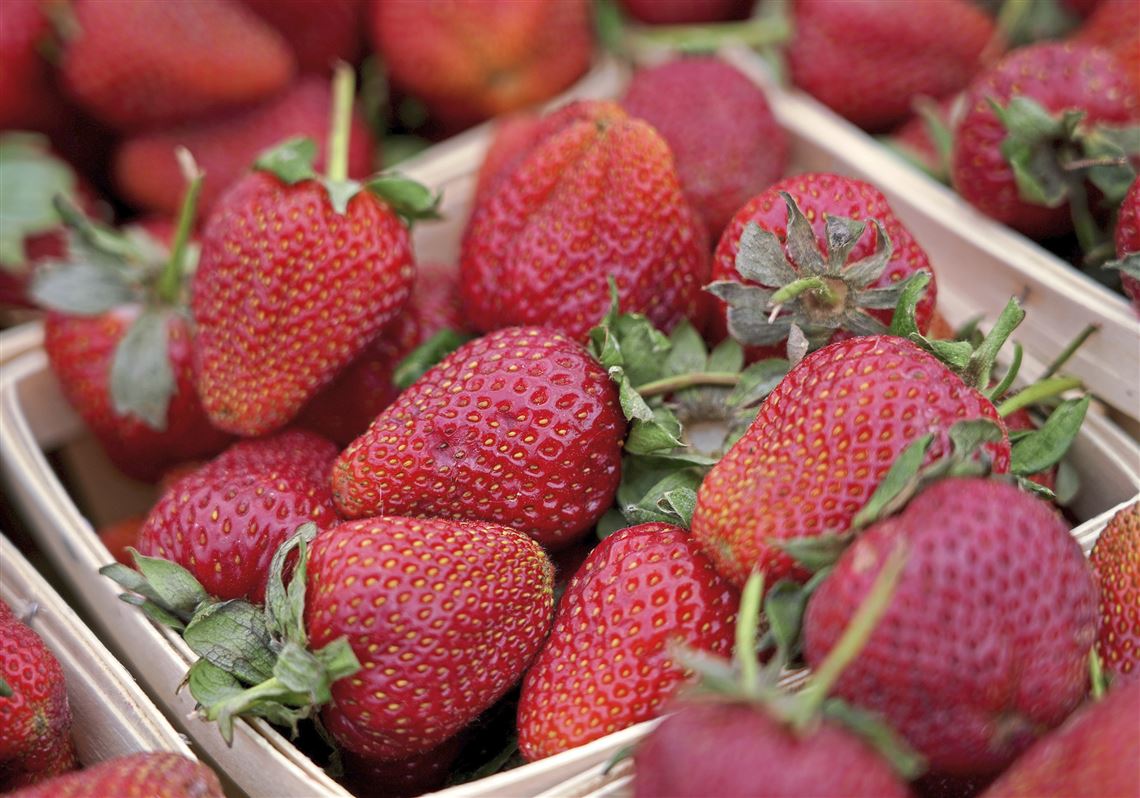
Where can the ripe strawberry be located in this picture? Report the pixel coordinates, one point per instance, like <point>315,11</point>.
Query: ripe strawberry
<point>685,12</point>
<point>462,609</point>
<point>323,264</point>
<point>320,34</point>
<point>727,144</point>
<point>1094,754</point>
<point>521,427</point>
<point>985,644</point>
<point>121,536</point>
<point>868,59</point>
<point>29,99</point>
<point>154,774</point>
<point>609,661</point>
<point>146,171</point>
<point>925,138</point>
<point>821,444</point>
<point>597,199</point>
<point>1127,238</point>
<point>133,64</point>
<point>436,303</point>
<point>35,718</point>
<point>1113,25</point>
<point>1116,560</point>
<point>820,196</point>
<point>409,777</point>
<point>1059,78</point>
<point>224,521</point>
<point>468,61</point>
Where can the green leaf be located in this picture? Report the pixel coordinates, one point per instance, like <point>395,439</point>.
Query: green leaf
<point>154,612</point>
<point>687,351</point>
<point>670,500</point>
<point>662,431</point>
<point>633,406</point>
<point>338,659</point>
<point>291,160</point>
<point>411,200</point>
<point>644,348</point>
<point>174,586</point>
<point>1129,264</point>
<point>955,354</point>
<point>981,361</point>
<point>234,636</point>
<point>30,178</point>
<point>757,381</point>
<point>1111,144</point>
<point>842,236</point>
<point>426,355</point>
<point>728,356</point>
<point>898,485</point>
<point>209,684</point>
<point>82,288</point>
<point>817,552</point>
<point>784,608</point>
<point>142,379</point>
<point>803,249</point>
<point>905,761</point>
<point>1045,447</point>
<point>300,671</point>
<point>681,503</point>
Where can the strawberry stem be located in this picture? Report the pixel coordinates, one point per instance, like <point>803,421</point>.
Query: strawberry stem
<point>678,382</point>
<point>1063,358</point>
<point>344,91</point>
<point>793,289</point>
<point>1096,675</point>
<point>1037,393</point>
<point>852,640</point>
<point>746,621</point>
<point>170,281</point>
<point>754,33</point>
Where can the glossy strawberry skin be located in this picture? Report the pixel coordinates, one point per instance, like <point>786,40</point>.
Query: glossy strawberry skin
<point>1127,238</point>
<point>1058,77</point>
<point>35,720</point>
<point>143,64</point>
<point>868,59</point>
<point>224,521</point>
<point>1116,560</point>
<point>985,643</point>
<point>444,617</point>
<point>1093,754</point>
<point>609,660</point>
<point>727,143</point>
<point>80,350</point>
<point>147,173</point>
<point>520,427</point>
<point>278,264</point>
<point>154,774</point>
<point>320,34</point>
<point>821,194</point>
<point>734,749</point>
<point>821,444</point>
<point>594,200</point>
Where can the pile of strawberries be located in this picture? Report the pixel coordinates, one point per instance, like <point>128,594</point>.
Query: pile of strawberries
<point>459,516</point>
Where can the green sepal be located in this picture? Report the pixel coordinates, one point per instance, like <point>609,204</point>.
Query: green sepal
<point>784,607</point>
<point>234,636</point>
<point>687,350</point>
<point>1029,148</point>
<point>165,591</point>
<point>982,359</point>
<point>757,381</point>
<point>30,178</point>
<point>5,688</point>
<point>142,379</point>
<point>1043,448</point>
<point>1112,148</point>
<point>1129,264</point>
<point>816,552</point>
<point>154,611</point>
<point>904,323</point>
<point>285,605</point>
<point>291,161</point>
<point>1067,483</point>
<point>1035,488</point>
<point>423,357</point>
<point>904,760</point>
<point>412,201</point>
<point>84,287</point>
<point>661,431</point>
<point>901,478</point>
<point>728,355</point>
<point>670,500</point>
<point>611,521</point>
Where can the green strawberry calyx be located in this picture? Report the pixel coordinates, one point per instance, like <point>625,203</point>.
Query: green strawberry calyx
<point>30,179</point>
<point>253,661</point>
<point>801,296</point>
<point>293,160</point>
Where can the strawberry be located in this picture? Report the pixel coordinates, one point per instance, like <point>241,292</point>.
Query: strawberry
<point>1021,162</point>
<point>985,644</point>
<point>471,60</point>
<point>409,777</point>
<point>223,522</point>
<point>1112,25</point>
<point>610,661</point>
<point>119,342</point>
<point>868,59</point>
<point>521,427</point>
<point>684,12</point>
<point>154,774</point>
<point>146,171</point>
<point>847,219</point>
<point>35,718</point>
<point>924,140</point>
<point>1127,239</point>
<point>121,536</point>
<point>29,99</point>
<point>1094,754</point>
<point>823,441</point>
<point>597,199</point>
<point>320,34</point>
<point>287,256</point>
<point>1116,560</point>
<point>133,65</point>
<point>727,143</point>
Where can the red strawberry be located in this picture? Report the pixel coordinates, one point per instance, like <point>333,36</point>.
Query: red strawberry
<point>224,521</point>
<point>821,444</point>
<point>137,64</point>
<point>121,536</point>
<point>727,143</point>
<point>322,264</point>
<point>146,171</point>
<point>609,661</point>
<point>436,303</point>
<point>1116,560</point>
<point>29,99</point>
<point>319,33</point>
<point>475,59</point>
<point>685,12</point>
<point>820,196</point>
<point>985,643</point>
<point>1059,78</point>
<point>1093,755</point>
<point>443,632</point>
<point>597,199</point>
<point>868,59</point>
<point>1113,25</point>
<point>925,138</point>
<point>35,718</point>
<point>409,777</point>
<point>1128,243</point>
<point>155,775</point>
<point>521,427</point>
<point>734,749</point>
